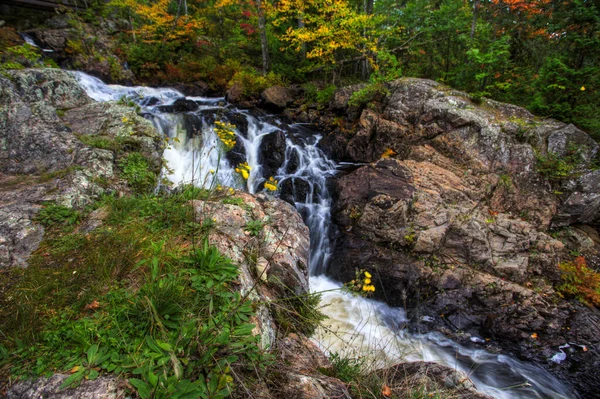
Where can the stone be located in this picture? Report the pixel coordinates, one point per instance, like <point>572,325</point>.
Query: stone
<point>276,98</point>
<point>104,387</point>
<point>272,152</point>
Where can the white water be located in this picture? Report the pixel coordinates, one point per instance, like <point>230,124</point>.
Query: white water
<point>357,327</point>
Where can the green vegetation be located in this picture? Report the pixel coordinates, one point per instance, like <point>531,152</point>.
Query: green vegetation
<point>580,282</point>
<point>57,214</point>
<point>135,168</point>
<point>254,227</point>
<point>556,167</point>
<point>364,96</point>
<point>123,299</point>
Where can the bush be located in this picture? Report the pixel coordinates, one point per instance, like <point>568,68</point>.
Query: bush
<point>136,170</point>
<point>580,282</point>
<point>57,214</point>
<point>253,83</point>
<point>370,93</point>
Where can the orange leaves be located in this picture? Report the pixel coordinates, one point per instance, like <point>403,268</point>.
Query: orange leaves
<point>160,24</point>
<point>93,305</point>
<point>386,391</point>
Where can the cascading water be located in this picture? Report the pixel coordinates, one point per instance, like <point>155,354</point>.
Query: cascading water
<point>356,327</point>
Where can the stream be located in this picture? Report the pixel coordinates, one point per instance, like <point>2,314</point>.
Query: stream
<point>357,326</point>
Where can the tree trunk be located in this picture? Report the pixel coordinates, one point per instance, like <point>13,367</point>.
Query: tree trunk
<point>303,49</point>
<point>262,27</point>
<point>365,67</point>
<point>475,12</point>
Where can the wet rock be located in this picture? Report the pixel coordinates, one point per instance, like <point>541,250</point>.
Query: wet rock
<point>272,152</point>
<point>184,105</point>
<point>276,98</point>
<point>294,190</point>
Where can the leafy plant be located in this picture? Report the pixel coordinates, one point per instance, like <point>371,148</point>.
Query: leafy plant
<point>254,227</point>
<point>136,170</point>
<point>580,282</point>
<point>369,93</point>
<point>52,214</point>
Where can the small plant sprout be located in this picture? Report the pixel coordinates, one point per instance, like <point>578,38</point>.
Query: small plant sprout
<point>226,133</point>
<point>271,184</point>
<point>362,284</point>
<point>244,170</point>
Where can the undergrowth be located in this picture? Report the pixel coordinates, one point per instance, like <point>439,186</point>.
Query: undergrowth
<point>580,282</point>
<point>145,296</point>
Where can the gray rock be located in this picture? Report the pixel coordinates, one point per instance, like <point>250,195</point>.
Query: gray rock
<point>276,98</point>
<point>105,387</point>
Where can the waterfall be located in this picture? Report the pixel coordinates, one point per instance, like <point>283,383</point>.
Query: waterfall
<point>357,327</point>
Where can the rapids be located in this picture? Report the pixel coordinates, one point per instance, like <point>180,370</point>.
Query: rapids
<point>357,327</point>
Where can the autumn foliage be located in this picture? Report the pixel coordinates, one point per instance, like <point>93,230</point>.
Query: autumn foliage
<point>580,282</point>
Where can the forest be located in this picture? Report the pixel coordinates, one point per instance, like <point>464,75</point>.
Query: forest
<point>543,55</point>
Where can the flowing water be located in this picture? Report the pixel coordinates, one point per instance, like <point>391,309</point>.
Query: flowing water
<point>357,327</point>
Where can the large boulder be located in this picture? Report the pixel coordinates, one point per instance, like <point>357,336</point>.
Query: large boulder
<point>449,207</point>
<point>276,98</point>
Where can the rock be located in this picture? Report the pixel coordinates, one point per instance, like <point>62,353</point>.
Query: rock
<point>104,387</point>
<point>430,377</point>
<point>446,202</point>
<point>339,101</point>
<point>303,378</point>
<point>272,152</point>
<point>276,98</point>
<point>235,93</point>
<point>55,39</point>
<point>184,105</point>
<point>43,159</point>
<point>196,89</point>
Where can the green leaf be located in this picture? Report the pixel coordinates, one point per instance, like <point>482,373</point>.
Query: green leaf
<point>143,389</point>
<point>73,379</point>
<point>91,354</point>
<point>164,346</point>
<point>152,378</point>
<point>93,374</point>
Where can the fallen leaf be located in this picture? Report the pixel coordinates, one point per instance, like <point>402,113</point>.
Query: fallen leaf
<point>386,391</point>
<point>92,306</point>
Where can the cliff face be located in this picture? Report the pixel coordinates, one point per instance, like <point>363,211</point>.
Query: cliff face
<point>464,212</point>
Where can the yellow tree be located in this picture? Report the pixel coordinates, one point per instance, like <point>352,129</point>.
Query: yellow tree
<point>328,28</point>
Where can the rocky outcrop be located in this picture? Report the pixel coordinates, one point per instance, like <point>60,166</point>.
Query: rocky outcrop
<point>450,206</point>
<point>46,119</point>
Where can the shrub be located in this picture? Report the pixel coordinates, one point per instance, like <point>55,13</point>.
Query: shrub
<point>370,93</point>
<point>136,170</point>
<point>580,282</point>
<point>253,83</point>
<point>57,214</point>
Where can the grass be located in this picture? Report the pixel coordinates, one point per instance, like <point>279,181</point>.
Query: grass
<point>144,296</point>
